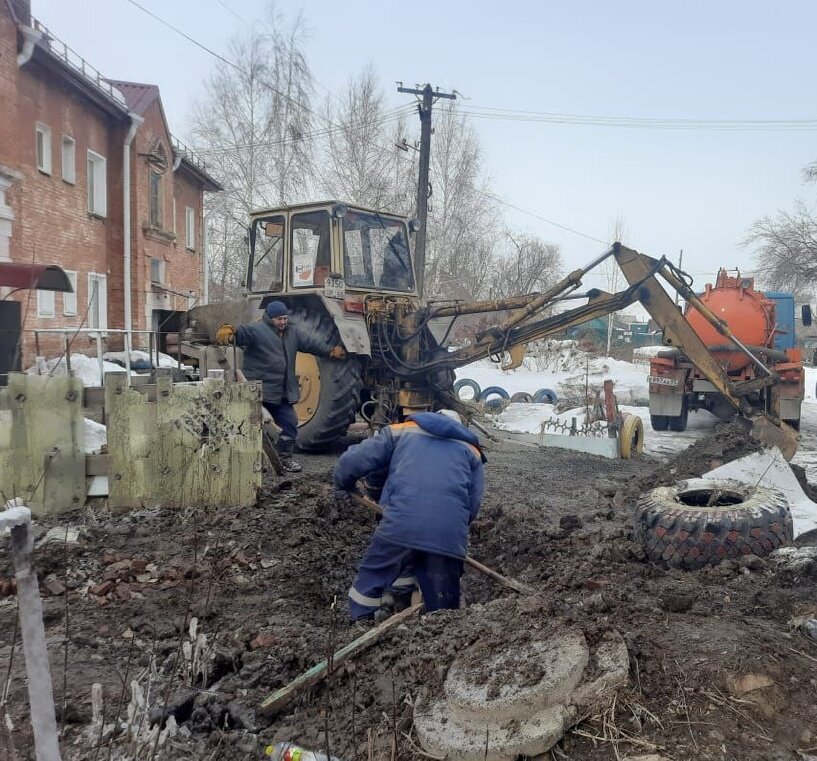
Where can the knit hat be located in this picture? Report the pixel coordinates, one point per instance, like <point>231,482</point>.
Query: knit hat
<point>276,309</point>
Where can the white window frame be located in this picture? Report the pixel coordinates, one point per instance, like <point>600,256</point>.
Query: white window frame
<point>69,300</point>
<point>190,228</point>
<point>97,179</point>
<point>162,270</point>
<point>42,136</point>
<point>69,159</point>
<point>101,293</point>
<point>45,304</point>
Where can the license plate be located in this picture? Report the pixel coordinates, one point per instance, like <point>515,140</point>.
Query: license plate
<point>657,380</point>
<point>334,288</point>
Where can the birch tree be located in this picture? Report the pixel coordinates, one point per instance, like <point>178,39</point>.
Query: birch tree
<point>253,128</point>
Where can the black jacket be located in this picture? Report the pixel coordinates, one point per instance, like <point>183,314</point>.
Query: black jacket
<point>269,356</point>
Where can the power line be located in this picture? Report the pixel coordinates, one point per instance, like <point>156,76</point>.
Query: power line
<point>228,8</point>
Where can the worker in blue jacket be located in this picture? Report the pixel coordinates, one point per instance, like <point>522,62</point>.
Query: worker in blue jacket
<point>270,348</point>
<point>431,469</point>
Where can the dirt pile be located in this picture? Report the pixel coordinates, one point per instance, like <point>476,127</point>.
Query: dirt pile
<point>267,589</point>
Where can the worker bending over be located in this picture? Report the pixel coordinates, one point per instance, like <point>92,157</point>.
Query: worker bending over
<point>270,346</point>
<point>431,471</point>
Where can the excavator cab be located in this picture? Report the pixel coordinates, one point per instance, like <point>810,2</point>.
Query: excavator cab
<point>326,249</point>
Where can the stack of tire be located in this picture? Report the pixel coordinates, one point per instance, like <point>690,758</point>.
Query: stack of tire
<point>494,398</point>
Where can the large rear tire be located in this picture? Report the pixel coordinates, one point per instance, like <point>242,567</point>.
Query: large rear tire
<point>678,423</point>
<point>330,389</point>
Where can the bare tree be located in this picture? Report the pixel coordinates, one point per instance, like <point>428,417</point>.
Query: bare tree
<point>361,162</point>
<point>253,127</point>
<point>464,222</point>
<point>613,274</point>
<point>786,249</point>
<point>531,265</point>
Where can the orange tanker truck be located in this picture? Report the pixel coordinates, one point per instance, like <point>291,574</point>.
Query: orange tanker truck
<point>763,322</point>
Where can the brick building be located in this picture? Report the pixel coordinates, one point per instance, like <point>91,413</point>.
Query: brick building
<point>91,179</point>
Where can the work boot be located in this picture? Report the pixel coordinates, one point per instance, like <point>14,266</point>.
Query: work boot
<point>289,465</point>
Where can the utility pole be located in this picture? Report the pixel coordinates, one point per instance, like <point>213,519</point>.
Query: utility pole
<point>424,107</point>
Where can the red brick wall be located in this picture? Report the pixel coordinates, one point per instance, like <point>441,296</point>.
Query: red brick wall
<point>53,225</point>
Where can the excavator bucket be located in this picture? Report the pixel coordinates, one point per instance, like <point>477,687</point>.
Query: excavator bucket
<point>772,434</point>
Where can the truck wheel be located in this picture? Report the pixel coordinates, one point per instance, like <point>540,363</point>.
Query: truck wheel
<point>678,423</point>
<point>330,389</point>
<point>702,521</point>
<point>659,422</point>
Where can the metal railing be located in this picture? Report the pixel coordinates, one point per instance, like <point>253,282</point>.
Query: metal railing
<point>73,59</point>
<point>100,335</point>
<point>188,153</point>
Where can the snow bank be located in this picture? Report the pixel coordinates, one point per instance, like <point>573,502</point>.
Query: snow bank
<point>561,366</point>
<point>96,435</point>
<point>83,367</point>
<point>143,358</point>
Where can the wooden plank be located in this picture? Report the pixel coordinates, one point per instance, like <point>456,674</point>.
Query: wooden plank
<point>45,464</point>
<point>198,445</point>
<point>96,464</point>
<point>283,697</point>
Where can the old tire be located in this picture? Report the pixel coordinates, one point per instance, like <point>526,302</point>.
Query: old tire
<point>521,397</point>
<point>659,422</point>
<point>338,388</point>
<point>631,437</point>
<point>545,396</point>
<point>468,383</point>
<point>494,391</point>
<point>745,520</point>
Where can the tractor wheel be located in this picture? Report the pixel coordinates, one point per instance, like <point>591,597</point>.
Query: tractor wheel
<point>659,422</point>
<point>330,389</point>
<point>702,521</point>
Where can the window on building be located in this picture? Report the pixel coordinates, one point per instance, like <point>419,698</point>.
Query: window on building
<point>155,199</point>
<point>97,184</point>
<point>190,228</point>
<point>69,161</point>
<point>157,270</point>
<point>42,135</point>
<point>69,300</point>
<point>97,301</point>
<point>45,303</point>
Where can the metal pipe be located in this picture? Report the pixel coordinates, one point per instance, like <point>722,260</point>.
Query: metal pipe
<point>99,358</point>
<point>127,355</point>
<point>135,122</point>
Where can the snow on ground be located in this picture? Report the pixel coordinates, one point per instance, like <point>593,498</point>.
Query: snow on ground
<point>562,369</point>
<point>96,435</point>
<point>84,367</point>
<point>142,357</point>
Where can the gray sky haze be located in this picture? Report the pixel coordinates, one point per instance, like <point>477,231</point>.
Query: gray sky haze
<point>693,188</point>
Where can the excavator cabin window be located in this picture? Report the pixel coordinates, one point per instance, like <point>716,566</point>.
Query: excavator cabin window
<point>311,249</point>
<point>267,264</point>
<point>376,252</point>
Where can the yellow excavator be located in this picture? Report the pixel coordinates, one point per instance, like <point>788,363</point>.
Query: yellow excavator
<point>347,275</point>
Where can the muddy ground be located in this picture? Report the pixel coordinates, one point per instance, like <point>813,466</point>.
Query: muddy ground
<point>261,584</point>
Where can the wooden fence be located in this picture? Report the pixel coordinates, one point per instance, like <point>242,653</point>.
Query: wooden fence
<point>174,445</point>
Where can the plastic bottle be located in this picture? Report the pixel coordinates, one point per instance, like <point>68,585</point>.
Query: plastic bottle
<point>291,752</point>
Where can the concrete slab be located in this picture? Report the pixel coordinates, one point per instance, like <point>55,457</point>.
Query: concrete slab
<point>519,702</point>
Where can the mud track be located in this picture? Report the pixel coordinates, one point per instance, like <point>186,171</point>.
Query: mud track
<point>261,583</point>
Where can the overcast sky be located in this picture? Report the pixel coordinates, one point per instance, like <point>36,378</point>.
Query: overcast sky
<point>692,189</point>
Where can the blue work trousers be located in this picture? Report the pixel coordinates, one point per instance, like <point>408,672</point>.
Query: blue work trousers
<point>287,420</point>
<point>390,566</point>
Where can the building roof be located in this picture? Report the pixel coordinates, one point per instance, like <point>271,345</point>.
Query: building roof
<point>138,96</point>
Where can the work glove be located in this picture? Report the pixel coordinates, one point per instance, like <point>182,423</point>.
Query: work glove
<point>338,352</point>
<point>225,334</point>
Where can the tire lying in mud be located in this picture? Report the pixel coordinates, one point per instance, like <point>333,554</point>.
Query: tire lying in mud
<point>703,521</point>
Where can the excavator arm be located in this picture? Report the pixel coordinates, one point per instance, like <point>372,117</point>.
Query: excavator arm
<point>519,328</point>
